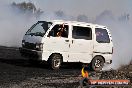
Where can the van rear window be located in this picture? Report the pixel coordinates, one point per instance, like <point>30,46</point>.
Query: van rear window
<point>102,35</point>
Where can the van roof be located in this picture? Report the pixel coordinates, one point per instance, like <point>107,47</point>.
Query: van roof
<point>76,23</point>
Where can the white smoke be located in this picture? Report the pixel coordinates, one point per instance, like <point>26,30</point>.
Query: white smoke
<point>13,24</point>
<point>121,33</point>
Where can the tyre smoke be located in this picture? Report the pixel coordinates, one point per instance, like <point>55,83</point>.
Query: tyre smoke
<point>121,30</point>
<point>13,24</point>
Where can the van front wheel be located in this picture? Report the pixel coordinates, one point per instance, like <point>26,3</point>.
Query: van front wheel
<point>97,63</point>
<point>56,61</point>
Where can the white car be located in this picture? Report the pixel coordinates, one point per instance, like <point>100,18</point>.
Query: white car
<point>60,41</point>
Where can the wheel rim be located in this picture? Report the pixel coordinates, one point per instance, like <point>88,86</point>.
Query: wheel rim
<point>56,62</point>
<point>97,63</point>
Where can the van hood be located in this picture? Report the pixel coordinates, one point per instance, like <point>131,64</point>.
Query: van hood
<point>32,39</point>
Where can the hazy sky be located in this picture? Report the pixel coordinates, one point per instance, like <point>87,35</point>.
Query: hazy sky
<point>75,7</point>
<point>87,7</point>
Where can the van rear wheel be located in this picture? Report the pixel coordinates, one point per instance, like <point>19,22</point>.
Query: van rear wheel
<point>55,61</point>
<point>97,63</point>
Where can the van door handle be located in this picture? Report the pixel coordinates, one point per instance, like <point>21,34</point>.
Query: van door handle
<point>67,40</point>
<point>72,41</point>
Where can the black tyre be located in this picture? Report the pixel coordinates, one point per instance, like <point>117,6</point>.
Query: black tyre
<point>97,63</point>
<point>55,61</point>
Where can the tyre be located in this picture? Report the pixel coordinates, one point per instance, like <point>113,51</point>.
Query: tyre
<point>55,61</point>
<point>97,63</point>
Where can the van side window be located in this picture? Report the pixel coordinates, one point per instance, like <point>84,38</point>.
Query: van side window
<point>82,33</point>
<point>102,35</point>
<point>59,31</point>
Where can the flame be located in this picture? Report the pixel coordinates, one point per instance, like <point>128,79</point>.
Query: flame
<point>84,73</point>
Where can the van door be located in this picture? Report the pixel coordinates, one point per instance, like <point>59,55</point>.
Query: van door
<point>58,41</point>
<point>81,44</point>
<point>102,42</point>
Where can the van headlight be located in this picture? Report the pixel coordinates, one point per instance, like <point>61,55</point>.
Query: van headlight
<point>39,46</point>
<point>23,42</point>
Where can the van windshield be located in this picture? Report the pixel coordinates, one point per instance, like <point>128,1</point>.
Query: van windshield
<point>39,29</point>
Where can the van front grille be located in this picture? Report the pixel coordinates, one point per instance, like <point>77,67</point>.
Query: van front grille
<point>30,45</point>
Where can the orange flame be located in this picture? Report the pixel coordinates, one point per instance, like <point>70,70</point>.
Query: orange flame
<point>84,73</point>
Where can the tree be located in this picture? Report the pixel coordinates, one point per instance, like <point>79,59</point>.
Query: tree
<point>59,13</point>
<point>82,18</point>
<point>27,8</point>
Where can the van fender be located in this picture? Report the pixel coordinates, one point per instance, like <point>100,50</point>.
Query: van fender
<point>46,55</point>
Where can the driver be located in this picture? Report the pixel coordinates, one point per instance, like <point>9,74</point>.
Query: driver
<point>61,30</point>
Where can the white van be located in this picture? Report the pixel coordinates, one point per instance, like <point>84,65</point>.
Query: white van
<point>60,41</point>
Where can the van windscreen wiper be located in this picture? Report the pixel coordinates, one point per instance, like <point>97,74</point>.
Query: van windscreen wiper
<point>39,34</point>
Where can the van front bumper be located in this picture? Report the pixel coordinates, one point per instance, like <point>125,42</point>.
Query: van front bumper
<point>30,53</point>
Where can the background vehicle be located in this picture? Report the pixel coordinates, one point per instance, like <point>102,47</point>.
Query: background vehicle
<point>68,41</point>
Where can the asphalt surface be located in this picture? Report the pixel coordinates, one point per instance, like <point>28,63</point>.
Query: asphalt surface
<point>17,72</point>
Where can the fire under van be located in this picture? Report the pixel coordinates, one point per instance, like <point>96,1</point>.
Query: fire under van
<point>61,41</point>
